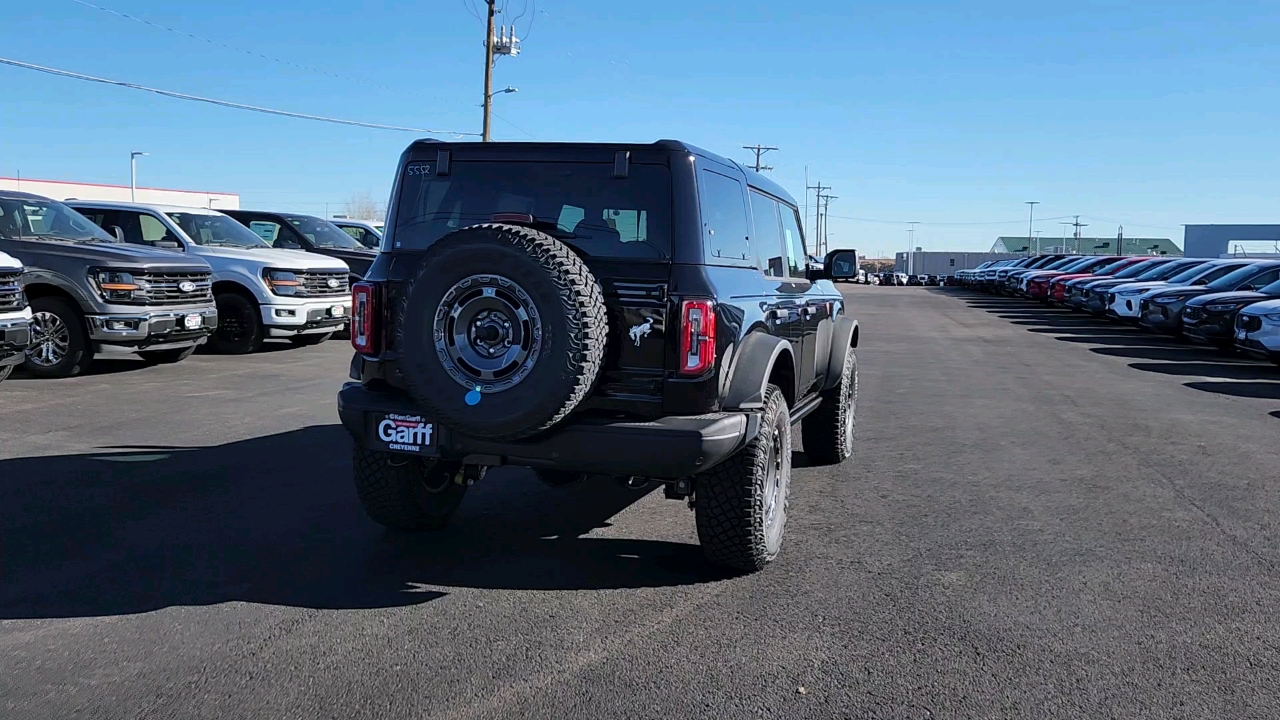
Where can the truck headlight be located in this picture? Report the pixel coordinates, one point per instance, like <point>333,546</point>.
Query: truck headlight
<point>282,282</point>
<point>115,286</point>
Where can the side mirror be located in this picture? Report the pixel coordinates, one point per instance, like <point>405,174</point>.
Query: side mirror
<point>168,244</point>
<point>841,264</point>
<point>115,230</point>
<point>1201,281</point>
<point>1247,288</point>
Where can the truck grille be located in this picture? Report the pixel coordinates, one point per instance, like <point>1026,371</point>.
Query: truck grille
<point>165,288</point>
<point>316,283</point>
<point>1192,313</point>
<point>11,297</point>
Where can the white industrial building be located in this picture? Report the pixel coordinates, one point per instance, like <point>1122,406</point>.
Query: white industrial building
<point>63,190</point>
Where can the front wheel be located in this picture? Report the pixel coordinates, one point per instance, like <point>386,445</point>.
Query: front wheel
<point>828,430</point>
<point>403,492</point>
<point>166,357</point>
<point>239,329</point>
<point>59,342</point>
<point>741,504</point>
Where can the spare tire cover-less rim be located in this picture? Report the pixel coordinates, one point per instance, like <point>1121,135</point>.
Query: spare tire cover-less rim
<point>502,332</point>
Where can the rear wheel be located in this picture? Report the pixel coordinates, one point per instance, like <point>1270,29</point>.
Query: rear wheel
<point>240,329</point>
<point>404,492</point>
<point>308,340</point>
<point>167,357</point>
<point>741,504</point>
<point>59,342</point>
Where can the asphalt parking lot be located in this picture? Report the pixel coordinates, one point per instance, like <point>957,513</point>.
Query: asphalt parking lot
<point>1045,517</point>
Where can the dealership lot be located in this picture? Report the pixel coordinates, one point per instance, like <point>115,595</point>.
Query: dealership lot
<point>1044,517</point>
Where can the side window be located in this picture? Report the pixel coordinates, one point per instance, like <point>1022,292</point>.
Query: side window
<point>794,242</point>
<point>266,229</point>
<point>1265,278</point>
<point>724,221</point>
<point>768,235</point>
<point>356,233</point>
<point>152,229</point>
<point>1214,275</point>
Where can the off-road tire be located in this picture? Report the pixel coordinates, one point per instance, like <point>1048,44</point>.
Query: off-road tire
<point>403,492</point>
<point>166,357</point>
<point>571,308</point>
<point>309,340</point>
<point>730,500</point>
<point>79,350</point>
<point>239,330</point>
<point>829,430</point>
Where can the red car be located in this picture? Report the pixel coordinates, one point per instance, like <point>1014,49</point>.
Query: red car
<point>1099,267</point>
<point>1038,281</point>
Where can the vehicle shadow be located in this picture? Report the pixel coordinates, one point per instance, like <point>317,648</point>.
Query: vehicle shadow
<point>96,368</point>
<point>1226,371</point>
<point>1263,390</point>
<point>275,520</point>
<point>1170,353</point>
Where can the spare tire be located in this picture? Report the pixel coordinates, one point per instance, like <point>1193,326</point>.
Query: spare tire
<point>502,331</point>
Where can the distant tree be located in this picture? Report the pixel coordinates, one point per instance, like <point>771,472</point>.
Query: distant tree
<point>362,206</point>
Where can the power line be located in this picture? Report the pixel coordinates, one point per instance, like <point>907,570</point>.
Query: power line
<point>226,103</point>
<point>904,222</point>
<point>469,4</point>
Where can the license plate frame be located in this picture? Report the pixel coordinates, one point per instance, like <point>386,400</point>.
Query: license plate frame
<point>1242,334</point>
<point>403,433</point>
<point>337,311</point>
<point>193,321</point>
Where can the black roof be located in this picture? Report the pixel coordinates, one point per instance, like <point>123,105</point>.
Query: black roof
<point>754,178</point>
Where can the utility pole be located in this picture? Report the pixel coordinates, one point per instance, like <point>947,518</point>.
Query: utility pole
<point>1120,241</point>
<point>759,150</point>
<point>823,247</point>
<point>1031,222</point>
<point>488,70</point>
<point>1038,242</point>
<point>1077,225</point>
<point>1064,225</point>
<point>817,205</point>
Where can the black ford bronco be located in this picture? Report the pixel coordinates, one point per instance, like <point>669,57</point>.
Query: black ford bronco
<point>645,312</point>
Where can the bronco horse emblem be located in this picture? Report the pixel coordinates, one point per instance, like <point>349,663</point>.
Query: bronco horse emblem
<point>641,330</point>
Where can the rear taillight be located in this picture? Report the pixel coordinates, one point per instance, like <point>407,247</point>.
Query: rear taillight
<point>697,336</point>
<point>364,310</point>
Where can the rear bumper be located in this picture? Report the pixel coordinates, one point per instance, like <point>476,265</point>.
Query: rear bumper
<point>667,448</point>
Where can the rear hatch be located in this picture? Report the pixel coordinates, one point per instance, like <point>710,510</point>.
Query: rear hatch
<point>620,226</point>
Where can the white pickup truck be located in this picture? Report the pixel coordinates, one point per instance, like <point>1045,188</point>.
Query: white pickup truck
<point>15,316</point>
<point>261,292</point>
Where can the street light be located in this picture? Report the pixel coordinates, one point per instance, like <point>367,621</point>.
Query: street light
<point>1031,222</point>
<point>133,175</point>
<point>504,91</point>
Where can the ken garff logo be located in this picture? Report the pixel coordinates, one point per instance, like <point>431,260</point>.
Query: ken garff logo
<point>187,286</point>
<point>641,330</point>
<point>333,283</point>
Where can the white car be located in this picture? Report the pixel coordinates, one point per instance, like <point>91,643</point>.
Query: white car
<point>1258,330</point>
<point>15,316</point>
<point>261,292</point>
<point>1125,301</point>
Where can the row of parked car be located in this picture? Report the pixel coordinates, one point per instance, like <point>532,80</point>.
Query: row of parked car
<point>1232,303</point>
<point>903,279</point>
<point>81,279</point>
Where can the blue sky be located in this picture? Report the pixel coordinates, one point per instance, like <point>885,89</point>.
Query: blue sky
<point>950,114</point>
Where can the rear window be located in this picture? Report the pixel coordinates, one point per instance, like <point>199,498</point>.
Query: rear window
<point>582,204</point>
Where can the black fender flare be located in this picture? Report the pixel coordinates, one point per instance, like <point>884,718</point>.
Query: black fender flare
<point>752,363</point>
<point>842,338</point>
